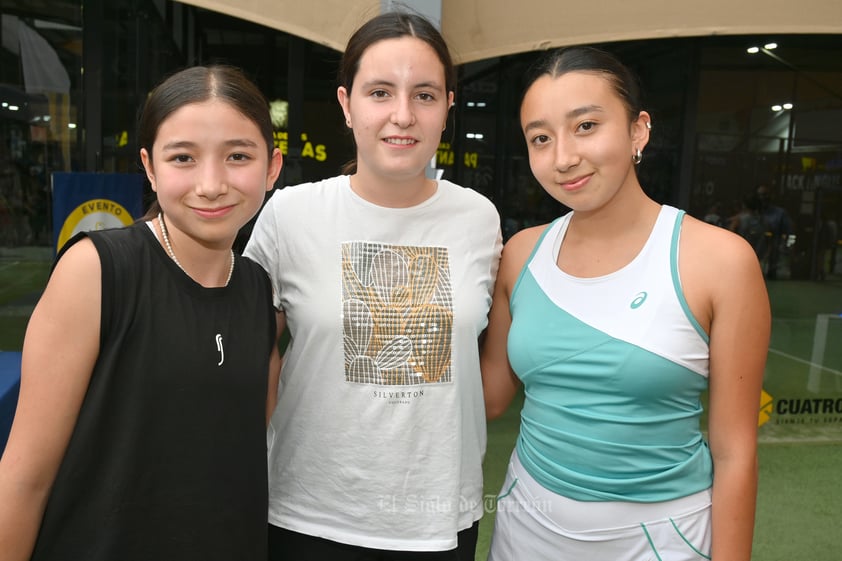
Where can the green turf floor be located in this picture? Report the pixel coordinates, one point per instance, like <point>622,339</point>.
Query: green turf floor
<point>23,275</point>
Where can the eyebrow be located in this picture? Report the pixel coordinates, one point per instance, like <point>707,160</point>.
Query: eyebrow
<point>375,83</point>
<point>184,144</point>
<point>572,114</point>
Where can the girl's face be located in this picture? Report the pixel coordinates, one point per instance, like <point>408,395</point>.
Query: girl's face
<point>579,138</point>
<point>397,108</point>
<point>210,169</point>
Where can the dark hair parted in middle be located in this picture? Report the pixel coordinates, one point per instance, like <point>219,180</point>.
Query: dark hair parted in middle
<point>394,25</point>
<point>203,83</point>
<point>589,59</point>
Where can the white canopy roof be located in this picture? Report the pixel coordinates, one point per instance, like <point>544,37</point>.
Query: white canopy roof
<point>478,29</point>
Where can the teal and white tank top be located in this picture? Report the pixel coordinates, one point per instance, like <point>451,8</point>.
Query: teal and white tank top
<point>613,368</point>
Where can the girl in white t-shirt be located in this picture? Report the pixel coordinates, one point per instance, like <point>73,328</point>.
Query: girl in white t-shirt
<point>383,278</point>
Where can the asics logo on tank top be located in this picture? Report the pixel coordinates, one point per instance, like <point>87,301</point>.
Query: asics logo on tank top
<point>638,301</point>
<point>220,349</point>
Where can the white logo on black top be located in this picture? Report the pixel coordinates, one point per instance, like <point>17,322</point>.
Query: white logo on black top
<point>220,349</point>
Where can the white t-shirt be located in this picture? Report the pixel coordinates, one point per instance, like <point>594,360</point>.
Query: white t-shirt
<point>379,433</point>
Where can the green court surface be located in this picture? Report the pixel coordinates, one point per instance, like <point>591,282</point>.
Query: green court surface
<point>23,274</point>
<point>804,365</point>
<point>800,496</point>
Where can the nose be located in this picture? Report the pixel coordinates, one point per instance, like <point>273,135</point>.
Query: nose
<point>403,115</point>
<point>212,181</point>
<point>566,155</point>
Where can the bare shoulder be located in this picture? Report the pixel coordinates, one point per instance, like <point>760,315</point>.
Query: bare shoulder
<point>718,268</point>
<point>516,252</point>
<point>714,246</point>
<point>519,246</point>
<point>82,252</point>
<point>78,265</point>
<point>525,239</point>
<point>75,282</point>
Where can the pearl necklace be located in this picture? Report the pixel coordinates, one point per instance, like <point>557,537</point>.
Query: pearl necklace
<point>175,259</point>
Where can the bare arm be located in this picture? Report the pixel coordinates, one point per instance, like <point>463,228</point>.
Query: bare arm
<point>739,321</point>
<point>275,363</point>
<point>739,344</point>
<point>499,382</point>
<point>59,352</point>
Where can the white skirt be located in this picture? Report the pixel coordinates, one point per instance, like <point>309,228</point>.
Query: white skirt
<point>535,524</point>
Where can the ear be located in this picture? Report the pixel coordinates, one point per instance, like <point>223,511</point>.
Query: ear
<point>344,98</point>
<point>640,130</point>
<point>450,97</point>
<point>146,159</point>
<point>276,162</point>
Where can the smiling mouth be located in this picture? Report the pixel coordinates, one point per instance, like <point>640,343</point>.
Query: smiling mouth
<point>213,211</point>
<point>400,141</point>
<point>575,183</point>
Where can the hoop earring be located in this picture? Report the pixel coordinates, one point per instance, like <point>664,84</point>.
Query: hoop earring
<point>637,157</point>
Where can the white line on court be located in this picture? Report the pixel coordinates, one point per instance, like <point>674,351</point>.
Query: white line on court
<point>807,362</point>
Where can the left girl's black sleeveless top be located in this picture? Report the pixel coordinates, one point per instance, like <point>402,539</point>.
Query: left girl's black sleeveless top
<point>167,460</point>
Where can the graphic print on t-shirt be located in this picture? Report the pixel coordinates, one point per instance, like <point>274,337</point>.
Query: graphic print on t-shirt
<point>397,313</point>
